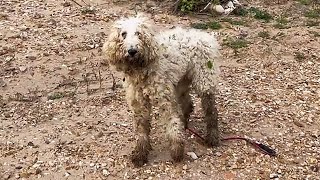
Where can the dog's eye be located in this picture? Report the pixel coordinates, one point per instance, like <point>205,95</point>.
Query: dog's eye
<point>124,34</point>
<point>138,33</point>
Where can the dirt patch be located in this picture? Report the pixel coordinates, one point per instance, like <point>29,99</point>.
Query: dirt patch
<point>61,118</point>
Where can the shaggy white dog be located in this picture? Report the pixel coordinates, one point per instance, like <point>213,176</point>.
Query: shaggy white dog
<point>160,71</point>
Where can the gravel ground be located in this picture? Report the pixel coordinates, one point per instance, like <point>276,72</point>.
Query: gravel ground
<point>63,118</point>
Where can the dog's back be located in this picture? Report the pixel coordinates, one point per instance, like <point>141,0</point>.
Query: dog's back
<point>184,49</point>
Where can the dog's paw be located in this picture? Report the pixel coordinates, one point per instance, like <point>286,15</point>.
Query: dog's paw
<point>177,152</point>
<point>138,159</point>
<point>212,142</point>
<point>177,157</point>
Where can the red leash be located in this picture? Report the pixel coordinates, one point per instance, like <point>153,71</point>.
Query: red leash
<point>262,147</point>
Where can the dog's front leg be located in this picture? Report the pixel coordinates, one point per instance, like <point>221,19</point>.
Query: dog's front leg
<point>141,108</point>
<point>171,113</point>
<point>175,131</point>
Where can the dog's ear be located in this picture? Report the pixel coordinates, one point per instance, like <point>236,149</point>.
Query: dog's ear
<point>113,34</point>
<point>111,42</point>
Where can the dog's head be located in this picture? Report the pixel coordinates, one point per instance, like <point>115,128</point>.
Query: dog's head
<point>130,46</point>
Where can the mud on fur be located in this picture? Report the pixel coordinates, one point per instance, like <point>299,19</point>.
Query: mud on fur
<point>160,70</point>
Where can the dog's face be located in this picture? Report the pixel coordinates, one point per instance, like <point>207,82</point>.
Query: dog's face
<point>130,45</point>
<point>130,33</point>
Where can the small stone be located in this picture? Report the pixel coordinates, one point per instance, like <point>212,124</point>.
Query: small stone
<point>104,164</point>
<point>148,171</point>
<point>314,168</point>
<point>66,174</point>
<point>99,135</point>
<point>30,144</point>
<point>105,172</point>
<point>273,176</point>
<point>2,83</point>
<point>297,123</point>
<point>124,125</point>
<point>37,171</point>
<point>9,58</point>
<point>80,163</point>
<point>22,68</point>
<point>36,165</point>
<point>24,174</point>
<point>91,46</point>
<point>192,155</point>
<point>18,167</point>
<point>91,164</point>
<point>233,166</point>
<point>46,54</point>
<point>185,167</point>
<point>30,57</point>
<point>312,161</point>
<point>6,176</point>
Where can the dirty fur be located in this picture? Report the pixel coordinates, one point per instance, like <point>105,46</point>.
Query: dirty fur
<point>165,69</point>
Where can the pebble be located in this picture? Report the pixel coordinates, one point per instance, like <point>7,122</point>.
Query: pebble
<point>66,174</point>
<point>192,155</point>
<point>105,172</point>
<point>23,68</point>
<point>314,168</point>
<point>274,176</point>
<point>30,57</point>
<point>6,176</point>
<point>80,163</point>
<point>104,164</point>
<point>9,58</point>
<point>2,83</point>
<point>185,167</point>
<point>99,135</point>
<point>18,167</point>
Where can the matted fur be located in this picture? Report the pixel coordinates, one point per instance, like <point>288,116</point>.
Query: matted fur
<point>166,67</point>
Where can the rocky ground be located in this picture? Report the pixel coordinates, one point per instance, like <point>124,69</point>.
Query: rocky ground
<point>62,117</point>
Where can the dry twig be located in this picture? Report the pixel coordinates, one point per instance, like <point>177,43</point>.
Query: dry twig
<point>76,3</point>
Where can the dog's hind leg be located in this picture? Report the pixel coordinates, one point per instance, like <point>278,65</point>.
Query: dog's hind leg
<point>186,106</point>
<point>211,118</point>
<point>184,99</point>
<point>204,83</point>
<point>141,108</point>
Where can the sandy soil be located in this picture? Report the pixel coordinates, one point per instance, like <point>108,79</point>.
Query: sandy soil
<point>61,119</point>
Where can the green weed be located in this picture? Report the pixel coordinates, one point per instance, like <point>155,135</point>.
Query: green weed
<point>214,25</point>
<point>234,22</point>
<point>261,14</point>
<point>282,23</point>
<point>211,25</point>
<point>313,13</point>
<point>236,43</point>
<point>199,25</point>
<point>264,34</point>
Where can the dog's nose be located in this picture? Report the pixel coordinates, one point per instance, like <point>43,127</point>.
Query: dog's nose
<point>132,52</point>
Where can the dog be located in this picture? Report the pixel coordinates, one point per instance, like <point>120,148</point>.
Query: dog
<point>160,70</point>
